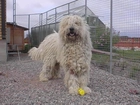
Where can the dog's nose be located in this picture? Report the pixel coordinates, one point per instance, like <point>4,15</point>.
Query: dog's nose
<point>72,29</point>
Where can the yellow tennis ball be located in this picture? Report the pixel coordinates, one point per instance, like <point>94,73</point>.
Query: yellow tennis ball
<point>81,91</point>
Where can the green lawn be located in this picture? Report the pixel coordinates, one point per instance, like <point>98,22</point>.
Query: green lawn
<point>100,57</point>
<point>129,54</point>
<point>132,64</point>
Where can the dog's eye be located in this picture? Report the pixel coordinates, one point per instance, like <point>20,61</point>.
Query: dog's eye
<point>76,23</point>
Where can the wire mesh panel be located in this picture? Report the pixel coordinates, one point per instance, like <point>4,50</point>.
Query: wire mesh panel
<point>49,21</point>
<point>34,32</point>
<point>23,23</point>
<point>61,12</point>
<point>77,8</point>
<point>98,18</point>
<point>28,21</point>
<point>124,35</point>
<point>126,23</point>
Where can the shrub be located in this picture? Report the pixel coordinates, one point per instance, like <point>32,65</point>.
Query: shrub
<point>26,48</point>
<point>101,40</point>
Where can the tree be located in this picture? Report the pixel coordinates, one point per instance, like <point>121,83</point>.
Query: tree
<point>101,38</point>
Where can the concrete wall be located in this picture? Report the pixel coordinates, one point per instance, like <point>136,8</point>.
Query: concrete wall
<point>3,51</point>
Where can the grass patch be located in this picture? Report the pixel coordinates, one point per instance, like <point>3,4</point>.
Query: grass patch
<point>129,54</point>
<point>134,71</point>
<point>126,54</point>
<point>100,57</point>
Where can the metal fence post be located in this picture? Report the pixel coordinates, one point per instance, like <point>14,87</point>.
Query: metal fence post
<point>40,25</point>
<point>28,24</point>
<point>46,19</point>
<point>68,8</point>
<point>111,17</point>
<point>41,29</point>
<point>55,17</point>
<point>14,12</point>
<point>29,34</point>
<point>86,9</point>
<point>46,24</point>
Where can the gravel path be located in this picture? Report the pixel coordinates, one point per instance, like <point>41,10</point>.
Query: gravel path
<point>19,85</point>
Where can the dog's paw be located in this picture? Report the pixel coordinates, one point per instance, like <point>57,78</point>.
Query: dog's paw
<point>86,89</point>
<point>43,79</point>
<point>73,91</point>
<point>57,77</point>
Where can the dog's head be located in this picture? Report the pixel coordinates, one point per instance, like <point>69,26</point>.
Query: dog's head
<point>72,27</point>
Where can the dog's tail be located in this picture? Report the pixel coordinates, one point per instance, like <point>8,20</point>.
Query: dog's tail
<point>54,31</point>
<point>34,53</point>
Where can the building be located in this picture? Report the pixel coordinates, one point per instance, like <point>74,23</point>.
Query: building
<point>128,43</point>
<point>15,35</point>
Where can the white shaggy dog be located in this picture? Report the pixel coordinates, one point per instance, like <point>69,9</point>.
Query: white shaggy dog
<point>70,48</point>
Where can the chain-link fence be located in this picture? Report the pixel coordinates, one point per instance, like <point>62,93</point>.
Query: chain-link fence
<point>114,25</point>
<point>126,23</point>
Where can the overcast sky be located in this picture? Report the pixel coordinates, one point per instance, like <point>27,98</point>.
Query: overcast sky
<point>126,15</point>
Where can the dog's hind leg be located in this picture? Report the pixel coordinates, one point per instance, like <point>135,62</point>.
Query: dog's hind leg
<point>49,72</point>
<point>56,71</point>
<point>45,74</point>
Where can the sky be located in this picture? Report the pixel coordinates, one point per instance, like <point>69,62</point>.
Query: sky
<point>125,12</point>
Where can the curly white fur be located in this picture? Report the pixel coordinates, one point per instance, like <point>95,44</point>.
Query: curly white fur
<point>69,48</point>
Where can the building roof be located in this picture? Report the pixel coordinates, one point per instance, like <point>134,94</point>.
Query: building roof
<point>126,37</point>
<point>11,23</point>
<point>26,40</point>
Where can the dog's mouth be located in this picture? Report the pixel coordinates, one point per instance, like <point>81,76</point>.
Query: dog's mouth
<point>72,34</point>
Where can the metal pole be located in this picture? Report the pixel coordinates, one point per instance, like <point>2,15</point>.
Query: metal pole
<point>28,24</point>
<point>68,8</point>
<point>55,17</point>
<point>29,35</point>
<point>46,24</point>
<point>14,12</point>
<point>27,14</point>
<point>85,9</point>
<point>46,18</point>
<point>14,18</point>
<point>41,30</point>
<point>111,33</point>
<point>39,37</point>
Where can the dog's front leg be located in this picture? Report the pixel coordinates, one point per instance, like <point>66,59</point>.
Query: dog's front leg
<point>71,82</point>
<point>83,81</point>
